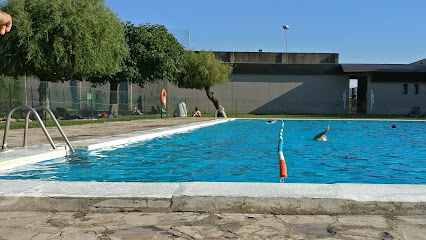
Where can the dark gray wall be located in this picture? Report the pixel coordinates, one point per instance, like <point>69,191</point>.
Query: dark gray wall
<point>274,57</point>
<point>269,94</point>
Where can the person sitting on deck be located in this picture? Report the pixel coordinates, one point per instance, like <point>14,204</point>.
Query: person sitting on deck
<point>136,111</point>
<point>197,112</point>
<point>102,115</point>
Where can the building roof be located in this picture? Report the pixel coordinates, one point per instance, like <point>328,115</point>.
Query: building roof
<point>325,69</point>
<point>366,68</point>
<point>423,61</point>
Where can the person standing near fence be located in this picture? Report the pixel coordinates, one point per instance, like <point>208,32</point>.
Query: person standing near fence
<point>5,23</point>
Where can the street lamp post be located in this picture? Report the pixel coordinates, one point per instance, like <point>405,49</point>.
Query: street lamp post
<point>286,27</point>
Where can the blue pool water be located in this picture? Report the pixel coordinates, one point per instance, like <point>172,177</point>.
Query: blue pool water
<point>363,151</point>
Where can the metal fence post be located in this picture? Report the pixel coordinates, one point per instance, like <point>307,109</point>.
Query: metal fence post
<point>45,103</point>
<point>10,96</point>
<point>32,97</point>
<point>25,90</point>
<point>91,106</point>
<point>236,107</point>
<point>144,104</point>
<point>63,97</point>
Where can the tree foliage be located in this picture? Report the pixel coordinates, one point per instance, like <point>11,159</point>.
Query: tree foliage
<point>155,54</point>
<point>62,39</point>
<point>202,70</point>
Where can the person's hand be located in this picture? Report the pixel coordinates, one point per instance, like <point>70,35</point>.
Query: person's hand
<point>327,128</point>
<point>5,22</point>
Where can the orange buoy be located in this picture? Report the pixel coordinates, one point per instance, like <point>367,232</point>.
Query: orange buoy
<point>283,166</point>
<point>283,169</point>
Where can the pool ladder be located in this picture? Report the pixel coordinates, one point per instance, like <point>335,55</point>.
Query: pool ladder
<point>27,118</point>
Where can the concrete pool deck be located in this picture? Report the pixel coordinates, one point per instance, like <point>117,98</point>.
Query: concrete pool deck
<point>191,210</point>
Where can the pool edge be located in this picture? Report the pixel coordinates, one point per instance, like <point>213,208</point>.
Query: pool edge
<point>39,196</point>
<point>271,198</point>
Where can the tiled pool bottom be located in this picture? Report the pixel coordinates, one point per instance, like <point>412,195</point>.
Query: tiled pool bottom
<point>33,195</point>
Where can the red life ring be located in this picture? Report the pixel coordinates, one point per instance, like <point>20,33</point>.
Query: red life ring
<point>163,96</point>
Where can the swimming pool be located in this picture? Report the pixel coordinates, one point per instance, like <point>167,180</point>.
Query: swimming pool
<point>365,151</point>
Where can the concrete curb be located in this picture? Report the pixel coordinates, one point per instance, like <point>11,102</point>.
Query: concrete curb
<point>271,198</point>
<point>27,155</point>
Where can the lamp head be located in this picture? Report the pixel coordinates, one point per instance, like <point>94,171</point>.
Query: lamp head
<point>286,27</point>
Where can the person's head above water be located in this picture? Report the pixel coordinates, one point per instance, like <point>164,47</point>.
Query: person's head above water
<point>322,138</point>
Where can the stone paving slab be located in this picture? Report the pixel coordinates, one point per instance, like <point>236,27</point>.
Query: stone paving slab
<point>193,225</point>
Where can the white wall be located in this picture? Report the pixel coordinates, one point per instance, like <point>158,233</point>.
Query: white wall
<point>389,98</point>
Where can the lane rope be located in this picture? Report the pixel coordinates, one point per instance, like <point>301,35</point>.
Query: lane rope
<point>283,166</point>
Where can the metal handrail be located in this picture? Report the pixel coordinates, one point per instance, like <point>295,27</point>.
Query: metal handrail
<point>54,120</point>
<point>32,110</point>
<point>9,116</point>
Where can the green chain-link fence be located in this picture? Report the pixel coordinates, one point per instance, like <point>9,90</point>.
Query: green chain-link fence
<point>80,99</point>
<point>10,95</point>
<point>74,99</point>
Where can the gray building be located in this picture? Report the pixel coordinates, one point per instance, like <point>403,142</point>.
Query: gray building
<point>277,57</point>
<point>389,88</point>
<point>262,83</point>
<point>312,83</point>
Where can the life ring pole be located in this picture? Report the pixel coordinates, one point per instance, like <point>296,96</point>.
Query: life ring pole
<point>283,166</point>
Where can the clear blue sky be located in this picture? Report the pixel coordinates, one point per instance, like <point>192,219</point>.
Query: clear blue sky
<point>361,31</point>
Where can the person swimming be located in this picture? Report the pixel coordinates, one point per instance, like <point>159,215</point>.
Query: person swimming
<point>271,121</point>
<point>321,136</point>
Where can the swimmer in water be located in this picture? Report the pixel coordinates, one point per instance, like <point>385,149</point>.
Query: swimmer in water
<point>271,121</point>
<point>321,136</point>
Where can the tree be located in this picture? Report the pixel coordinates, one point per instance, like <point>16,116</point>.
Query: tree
<point>203,71</point>
<point>155,54</point>
<point>57,40</point>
